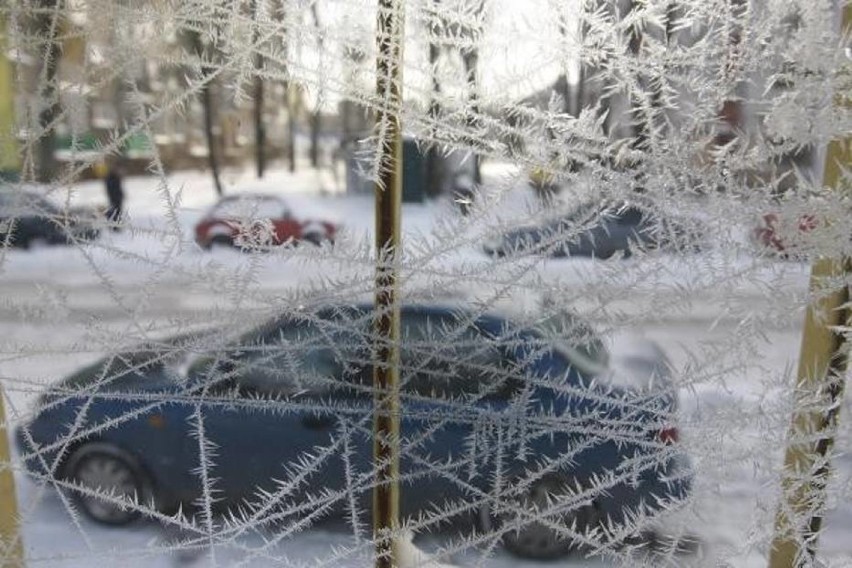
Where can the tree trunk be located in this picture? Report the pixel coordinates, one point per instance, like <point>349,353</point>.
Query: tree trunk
<point>564,86</point>
<point>259,129</point>
<point>207,106</point>
<point>657,121</point>
<point>640,121</point>
<point>212,151</point>
<point>290,135</point>
<point>47,28</point>
<point>291,128</point>
<point>578,99</point>
<point>470,59</point>
<point>316,119</point>
<point>434,167</point>
<point>316,124</point>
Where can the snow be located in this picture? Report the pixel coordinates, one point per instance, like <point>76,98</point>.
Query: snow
<point>70,304</point>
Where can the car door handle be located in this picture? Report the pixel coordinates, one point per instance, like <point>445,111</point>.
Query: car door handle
<point>317,421</point>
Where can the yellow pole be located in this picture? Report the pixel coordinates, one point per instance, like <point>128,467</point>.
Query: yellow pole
<point>388,194</point>
<point>819,389</point>
<point>11,548</point>
<point>9,159</point>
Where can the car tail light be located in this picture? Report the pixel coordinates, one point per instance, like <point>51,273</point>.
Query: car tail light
<point>668,435</point>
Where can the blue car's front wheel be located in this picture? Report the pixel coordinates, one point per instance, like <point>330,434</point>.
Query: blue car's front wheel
<point>110,486</point>
<point>544,522</point>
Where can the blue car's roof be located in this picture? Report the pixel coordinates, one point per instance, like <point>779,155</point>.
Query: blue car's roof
<point>148,360</point>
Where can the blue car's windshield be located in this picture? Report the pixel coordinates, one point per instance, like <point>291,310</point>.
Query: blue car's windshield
<point>173,352</point>
<point>111,369</point>
<point>576,341</point>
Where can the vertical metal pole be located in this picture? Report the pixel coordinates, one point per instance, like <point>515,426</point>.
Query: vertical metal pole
<point>819,390</point>
<point>388,192</point>
<point>11,549</point>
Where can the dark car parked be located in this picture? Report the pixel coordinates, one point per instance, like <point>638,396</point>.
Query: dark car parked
<point>250,220</point>
<point>599,231</point>
<point>27,218</point>
<point>498,420</point>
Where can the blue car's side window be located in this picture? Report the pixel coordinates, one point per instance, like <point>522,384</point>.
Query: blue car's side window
<point>116,370</point>
<point>445,358</point>
<point>630,216</point>
<point>302,357</point>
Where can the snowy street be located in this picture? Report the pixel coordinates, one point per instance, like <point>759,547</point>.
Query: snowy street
<point>65,307</point>
<point>425,283</point>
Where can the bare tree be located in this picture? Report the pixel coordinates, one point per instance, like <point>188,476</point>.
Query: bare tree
<point>434,170</point>
<point>316,118</point>
<point>470,60</point>
<point>206,70</point>
<point>47,27</point>
<point>289,104</point>
<point>291,126</point>
<point>259,128</point>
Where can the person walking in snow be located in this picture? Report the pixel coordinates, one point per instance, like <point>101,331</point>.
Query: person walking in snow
<point>115,195</point>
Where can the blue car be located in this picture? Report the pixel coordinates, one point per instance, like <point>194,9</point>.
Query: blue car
<point>599,231</point>
<point>506,425</point>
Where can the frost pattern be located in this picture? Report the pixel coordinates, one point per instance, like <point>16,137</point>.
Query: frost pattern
<point>248,373</point>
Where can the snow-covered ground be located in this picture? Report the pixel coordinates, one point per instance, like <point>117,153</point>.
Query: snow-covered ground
<point>63,307</point>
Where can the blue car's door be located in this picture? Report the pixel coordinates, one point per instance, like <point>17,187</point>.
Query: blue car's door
<point>455,380</point>
<point>632,226</point>
<point>616,230</point>
<point>599,240</point>
<point>278,429</point>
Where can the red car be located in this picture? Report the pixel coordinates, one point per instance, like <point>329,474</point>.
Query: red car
<point>772,226</point>
<point>252,220</point>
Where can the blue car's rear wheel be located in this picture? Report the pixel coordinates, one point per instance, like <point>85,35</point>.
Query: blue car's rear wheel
<point>112,484</point>
<point>550,536</point>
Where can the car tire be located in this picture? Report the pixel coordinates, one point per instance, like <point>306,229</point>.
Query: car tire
<point>314,238</point>
<point>221,241</point>
<point>536,540</point>
<point>109,470</point>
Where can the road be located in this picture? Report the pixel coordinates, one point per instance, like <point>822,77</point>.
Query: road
<point>727,326</point>
<point>44,340</point>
